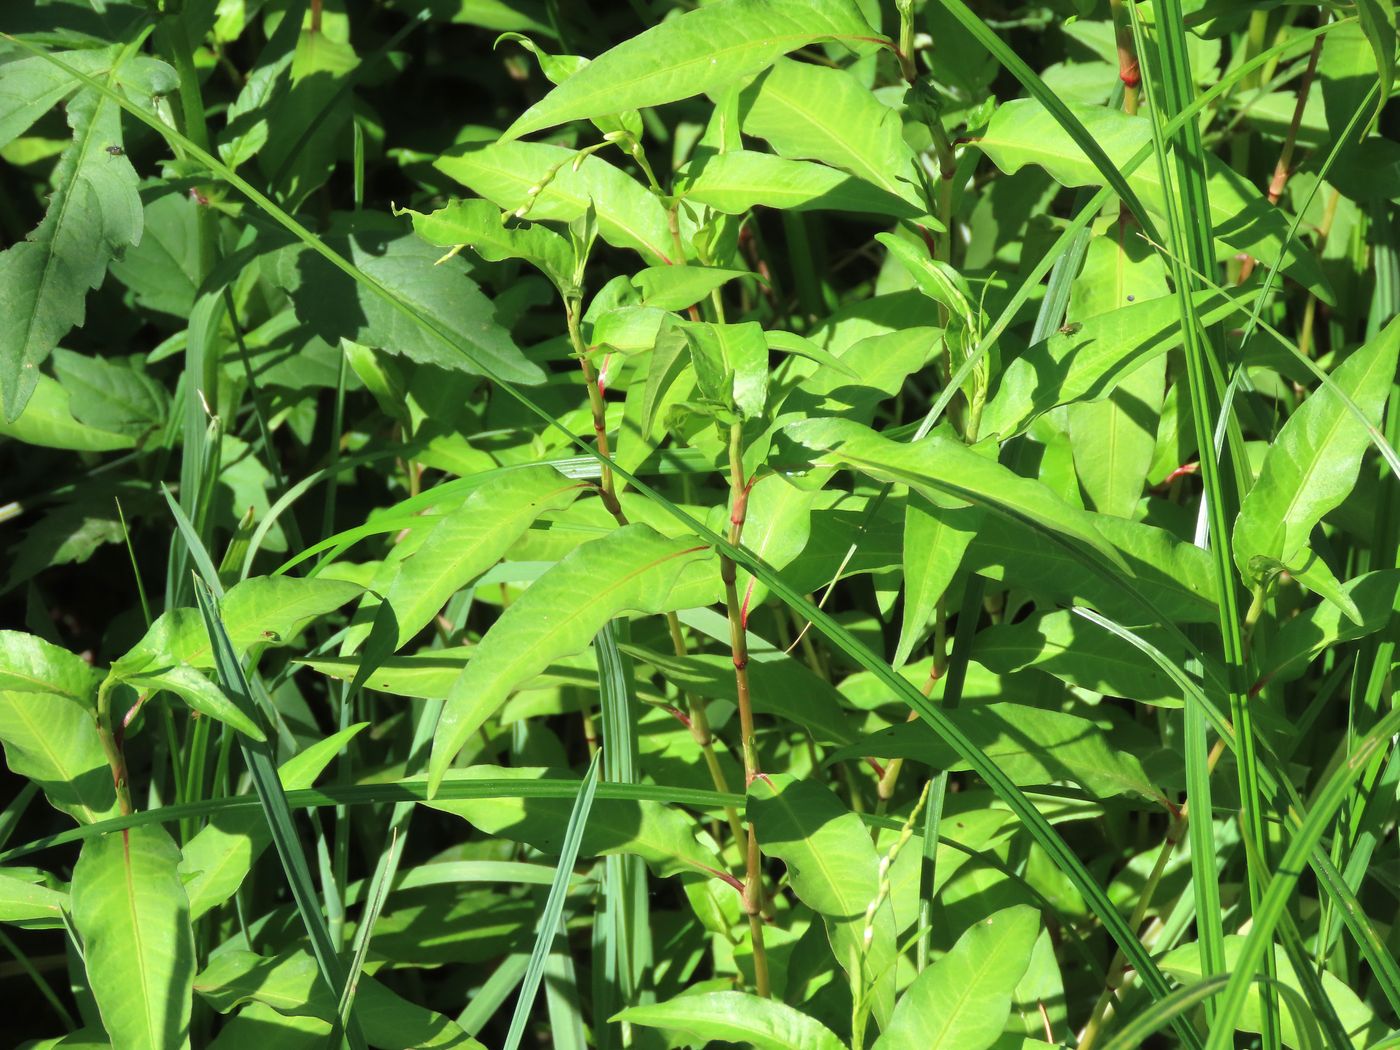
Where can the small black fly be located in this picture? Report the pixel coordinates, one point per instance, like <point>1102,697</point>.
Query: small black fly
<point>1071,328</point>
<point>116,151</point>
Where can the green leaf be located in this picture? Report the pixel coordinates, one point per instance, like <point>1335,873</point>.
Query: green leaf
<point>736,181</point>
<point>1032,746</point>
<point>201,694</point>
<point>1114,439</point>
<point>478,225</point>
<point>1183,963</point>
<point>677,287</point>
<point>934,545</point>
<point>1087,362</point>
<point>290,984</point>
<point>469,540</point>
<point>25,902</point>
<point>629,215</point>
<point>48,727</point>
<point>661,835</point>
<point>834,869</point>
<point>809,112</point>
<point>963,1001</point>
<point>48,421</point>
<point>44,280</point>
<point>399,261</point>
<point>629,569</point>
<point>220,855</point>
<point>115,397</point>
<point>1303,638</point>
<point>262,611</point>
<point>131,911</point>
<point>731,365</point>
<point>699,51</point>
<point>1023,132</point>
<point>1312,465</point>
<point>1377,18</point>
<point>779,684</point>
<point>1061,644</point>
<point>28,664</point>
<point>735,1017</point>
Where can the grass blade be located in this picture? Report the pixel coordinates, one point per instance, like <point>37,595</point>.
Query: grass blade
<point>554,905</point>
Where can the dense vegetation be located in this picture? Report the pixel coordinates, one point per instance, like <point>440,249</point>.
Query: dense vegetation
<point>822,523</point>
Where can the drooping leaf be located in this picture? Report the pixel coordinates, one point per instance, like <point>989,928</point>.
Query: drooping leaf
<point>1312,465</point>
<point>1183,963</point>
<point>630,569</point>
<point>48,727</point>
<point>290,984</point>
<point>477,224</point>
<point>201,694</point>
<point>1114,438</point>
<point>662,836</point>
<point>963,1001</point>
<point>735,1017</point>
<point>469,540</point>
<point>934,545</point>
<point>736,181</point>
<point>131,911</point>
<point>321,294</point>
<point>1033,746</point>
<point>683,56</point>
<point>1023,132</point>
<point>833,868</point>
<point>219,856</point>
<point>731,365</point>
<point>677,287</point>
<point>1086,362</point>
<point>629,216</point>
<point>262,611</point>
<point>810,112</point>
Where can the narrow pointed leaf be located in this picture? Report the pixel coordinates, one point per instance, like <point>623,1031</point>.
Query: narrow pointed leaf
<point>700,51</point>
<point>630,570</point>
<point>134,918</point>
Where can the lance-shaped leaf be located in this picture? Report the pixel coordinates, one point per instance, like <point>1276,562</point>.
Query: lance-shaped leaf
<point>676,287</point>
<point>631,569</point>
<point>934,544</point>
<point>834,869</point>
<point>629,215</point>
<point>735,182</point>
<point>26,901</point>
<point>809,112</point>
<point>337,307</point>
<point>201,694</point>
<point>48,728</point>
<point>662,836</point>
<point>263,611</point>
<point>131,911</point>
<point>468,541</point>
<point>1023,132</point>
<point>48,420</point>
<point>1311,466</point>
<point>699,51</point>
<point>963,1001</point>
<point>291,985</point>
<point>1085,362</point>
<point>44,280</point>
<point>477,224</point>
<point>1031,745</point>
<point>735,1017</point>
<point>731,365</point>
<point>219,856</point>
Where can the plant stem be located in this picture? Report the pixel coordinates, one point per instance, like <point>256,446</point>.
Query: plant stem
<point>739,650</point>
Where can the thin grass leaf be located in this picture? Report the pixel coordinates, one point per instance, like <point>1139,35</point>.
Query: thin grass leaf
<point>554,905</point>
